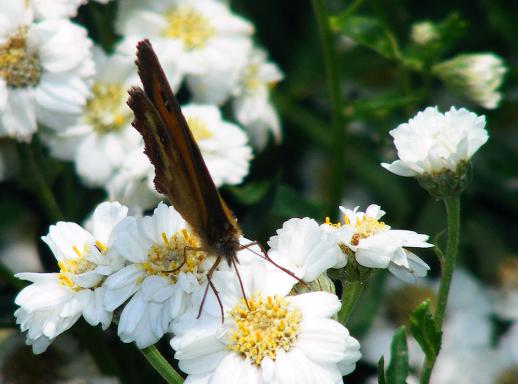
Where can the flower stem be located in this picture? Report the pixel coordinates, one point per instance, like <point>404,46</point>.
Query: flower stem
<point>351,292</point>
<point>39,184</point>
<point>452,204</point>
<point>337,120</point>
<point>160,364</point>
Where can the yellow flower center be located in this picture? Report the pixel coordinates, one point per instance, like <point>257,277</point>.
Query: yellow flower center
<point>18,67</point>
<point>188,25</point>
<point>401,302</point>
<point>106,110</point>
<point>364,227</point>
<point>178,253</point>
<point>74,266</point>
<point>268,326</point>
<point>198,128</point>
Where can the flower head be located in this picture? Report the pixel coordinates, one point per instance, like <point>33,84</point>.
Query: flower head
<point>371,243</point>
<point>54,301</point>
<point>45,68</point>
<point>268,338</point>
<point>438,146</point>
<point>474,76</point>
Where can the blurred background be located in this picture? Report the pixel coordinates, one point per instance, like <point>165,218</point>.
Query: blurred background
<point>378,90</point>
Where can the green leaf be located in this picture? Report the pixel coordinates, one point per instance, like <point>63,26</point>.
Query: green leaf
<point>251,193</point>
<point>425,330</point>
<point>397,370</point>
<point>381,371</point>
<point>366,31</point>
<point>380,105</point>
<point>288,203</point>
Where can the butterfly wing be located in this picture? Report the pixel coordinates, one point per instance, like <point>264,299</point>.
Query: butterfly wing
<point>180,171</point>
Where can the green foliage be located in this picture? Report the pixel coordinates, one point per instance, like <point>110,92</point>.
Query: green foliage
<point>397,370</point>
<point>381,371</point>
<point>425,330</point>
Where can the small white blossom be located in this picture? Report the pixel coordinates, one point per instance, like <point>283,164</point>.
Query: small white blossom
<point>423,33</point>
<point>224,147</point>
<point>45,69</point>
<point>55,301</point>
<point>194,38</point>
<point>252,106</point>
<point>475,76</point>
<point>165,267</point>
<point>375,245</point>
<point>433,142</point>
<point>100,139</point>
<point>297,343</point>
<point>302,247</point>
<point>55,9</point>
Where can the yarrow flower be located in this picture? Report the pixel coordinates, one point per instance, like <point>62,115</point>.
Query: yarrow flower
<point>424,33</point>
<point>55,301</point>
<point>373,244</point>
<point>268,338</point>
<point>165,266</point>
<point>224,147</point>
<point>45,69</point>
<point>436,148</point>
<point>193,38</point>
<point>101,138</point>
<point>477,77</point>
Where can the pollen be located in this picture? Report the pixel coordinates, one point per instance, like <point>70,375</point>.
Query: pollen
<point>74,266</point>
<point>177,253</point>
<point>188,25</point>
<point>263,328</point>
<point>18,66</point>
<point>331,224</point>
<point>106,110</point>
<point>199,128</point>
<point>364,227</point>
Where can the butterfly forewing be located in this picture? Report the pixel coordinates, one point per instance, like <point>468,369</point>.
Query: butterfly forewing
<point>180,171</point>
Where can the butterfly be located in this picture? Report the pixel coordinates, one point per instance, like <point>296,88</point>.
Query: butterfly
<point>180,171</point>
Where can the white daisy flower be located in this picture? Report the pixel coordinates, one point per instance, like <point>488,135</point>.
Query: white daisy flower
<point>223,145</point>
<point>433,142</point>
<point>99,141</point>
<point>274,339</point>
<point>252,106</point>
<point>474,76</point>
<point>302,247</point>
<point>44,71</point>
<point>375,245</point>
<point>467,323</point>
<point>55,301</point>
<point>55,9</point>
<point>166,266</point>
<point>191,37</point>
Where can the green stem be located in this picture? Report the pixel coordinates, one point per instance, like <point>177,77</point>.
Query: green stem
<point>160,364</point>
<point>39,185</point>
<point>351,292</point>
<point>448,265</point>
<point>337,121</point>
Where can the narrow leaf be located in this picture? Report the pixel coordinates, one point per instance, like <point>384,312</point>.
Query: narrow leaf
<point>425,330</point>
<point>397,370</point>
<point>381,371</point>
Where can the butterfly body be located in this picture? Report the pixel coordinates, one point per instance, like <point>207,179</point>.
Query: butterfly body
<point>180,171</point>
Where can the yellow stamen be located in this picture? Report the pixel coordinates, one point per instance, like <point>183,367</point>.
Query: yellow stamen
<point>188,25</point>
<point>18,67</point>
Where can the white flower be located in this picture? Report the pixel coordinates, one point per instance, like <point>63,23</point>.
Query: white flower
<point>54,302</point>
<point>279,340</point>
<point>55,9</point>
<point>166,266</point>
<point>223,145</point>
<point>475,76</point>
<point>303,248</point>
<point>432,142</point>
<point>252,106</point>
<point>101,138</point>
<point>375,245</point>
<point>467,323</point>
<point>424,32</point>
<point>44,71</point>
<point>191,37</point>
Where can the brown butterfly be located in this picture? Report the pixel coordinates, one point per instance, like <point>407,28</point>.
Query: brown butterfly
<point>180,171</point>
